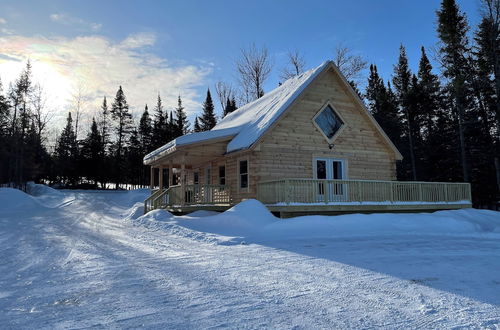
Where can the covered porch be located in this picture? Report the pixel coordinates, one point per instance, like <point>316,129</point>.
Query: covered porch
<point>291,197</point>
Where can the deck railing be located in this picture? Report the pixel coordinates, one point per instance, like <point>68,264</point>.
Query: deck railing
<point>311,191</point>
<point>194,194</point>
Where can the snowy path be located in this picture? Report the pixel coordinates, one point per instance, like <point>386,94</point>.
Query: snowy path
<point>81,265</point>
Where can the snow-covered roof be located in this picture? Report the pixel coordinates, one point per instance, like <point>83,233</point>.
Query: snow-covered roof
<point>248,123</point>
<point>190,139</point>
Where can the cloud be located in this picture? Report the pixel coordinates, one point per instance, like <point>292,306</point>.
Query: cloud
<point>139,40</point>
<point>97,66</point>
<point>79,23</point>
<point>3,21</point>
<point>6,31</point>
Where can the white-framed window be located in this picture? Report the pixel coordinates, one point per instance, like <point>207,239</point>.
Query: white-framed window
<point>329,122</point>
<point>196,177</point>
<point>243,176</point>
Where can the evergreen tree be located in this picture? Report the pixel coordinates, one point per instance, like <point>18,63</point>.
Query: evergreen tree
<point>5,138</point>
<point>452,31</point>
<point>197,127</point>
<point>66,153</point>
<point>134,156</point>
<point>402,83</point>
<point>104,124</point>
<point>487,56</point>
<point>181,123</point>
<point>145,138</point>
<point>91,154</point>
<point>207,120</point>
<point>160,132</point>
<point>145,132</point>
<point>230,106</point>
<point>119,113</point>
<point>382,104</point>
<point>172,127</point>
<point>434,149</point>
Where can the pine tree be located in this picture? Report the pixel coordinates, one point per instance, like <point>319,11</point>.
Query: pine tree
<point>230,106</point>
<point>171,127</point>
<point>488,72</point>
<point>382,104</point>
<point>197,127</point>
<point>104,124</point>
<point>123,118</point>
<point>5,138</point>
<point>207,119</point>
<point>91,154</point>
<point>181,123</point>
<point>145,138</point>
<point>160,132</point>
<point>452,30</point>
<point>145,132</point>
<point>133,158</point>
<point>66,154</point>
<point>402,83</point>
<point>430,107</point>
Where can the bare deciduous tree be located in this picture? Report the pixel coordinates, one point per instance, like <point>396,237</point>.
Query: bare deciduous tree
<point>349,64</point>
<point>224,92</point>
<point>294,67</point>
<point>253,68</point>
<point>41,117</point>
<point>80,97</point>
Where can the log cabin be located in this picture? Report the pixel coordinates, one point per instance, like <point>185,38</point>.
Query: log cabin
<point>308,146</point>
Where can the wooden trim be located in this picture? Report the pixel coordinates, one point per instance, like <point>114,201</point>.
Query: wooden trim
<point>341,128</point>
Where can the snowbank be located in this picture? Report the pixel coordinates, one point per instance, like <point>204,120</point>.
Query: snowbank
<point>250,221</point>
<point>41,189</point>
<point>14,200</point>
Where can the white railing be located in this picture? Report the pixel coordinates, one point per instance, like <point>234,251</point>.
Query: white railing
<point>337,191</point>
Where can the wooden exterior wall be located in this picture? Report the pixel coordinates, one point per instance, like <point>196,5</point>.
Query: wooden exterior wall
<point>288,149</point>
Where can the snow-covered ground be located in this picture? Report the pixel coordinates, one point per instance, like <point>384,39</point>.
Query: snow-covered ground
<point>89,259</point>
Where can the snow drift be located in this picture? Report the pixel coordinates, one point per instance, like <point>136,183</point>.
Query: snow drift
<point>250,221</point>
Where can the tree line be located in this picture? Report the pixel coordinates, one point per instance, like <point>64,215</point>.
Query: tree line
<point>110,155</point>
<point>447,126</point>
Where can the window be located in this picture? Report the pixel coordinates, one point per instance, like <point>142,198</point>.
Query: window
<point>329,122</point>
<point>222,175</point>
<point>243,173</point>
<point>196,177</point>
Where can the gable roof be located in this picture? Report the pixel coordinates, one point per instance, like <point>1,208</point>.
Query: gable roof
<point>247,124</point>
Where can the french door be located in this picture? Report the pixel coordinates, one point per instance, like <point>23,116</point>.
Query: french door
<point>330,169</point>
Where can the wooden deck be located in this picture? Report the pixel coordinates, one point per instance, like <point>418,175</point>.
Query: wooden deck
<point>293,197</point>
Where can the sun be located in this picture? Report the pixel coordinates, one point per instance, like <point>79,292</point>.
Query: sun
<point>56,86</point>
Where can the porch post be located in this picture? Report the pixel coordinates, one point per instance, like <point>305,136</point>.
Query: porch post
<point>152,177</point>
<point>183,184</point>
<point>170,174</point>
<point>160,183</point>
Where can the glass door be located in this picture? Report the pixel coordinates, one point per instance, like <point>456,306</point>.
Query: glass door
<point>330,169</point>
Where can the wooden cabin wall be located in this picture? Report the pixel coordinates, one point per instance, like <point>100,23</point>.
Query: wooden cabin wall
<point>287,151</point>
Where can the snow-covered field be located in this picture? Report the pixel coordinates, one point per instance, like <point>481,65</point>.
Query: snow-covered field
<point>88,259</point>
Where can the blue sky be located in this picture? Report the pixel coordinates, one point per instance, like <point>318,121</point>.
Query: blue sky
<point>184,47</point>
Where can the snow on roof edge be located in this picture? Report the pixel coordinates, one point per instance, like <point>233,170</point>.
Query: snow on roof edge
<point>190,139</point>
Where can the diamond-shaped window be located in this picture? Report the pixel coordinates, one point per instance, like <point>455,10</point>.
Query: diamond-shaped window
<point>328,121</point>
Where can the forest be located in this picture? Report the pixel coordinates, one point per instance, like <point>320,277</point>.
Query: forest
<point>445,119</point>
